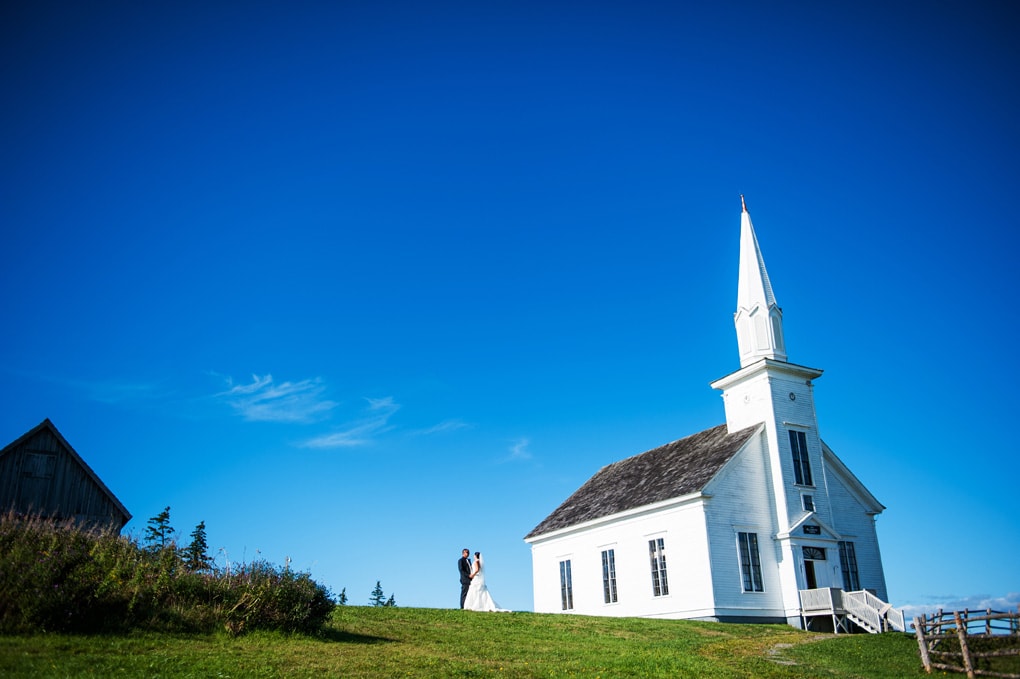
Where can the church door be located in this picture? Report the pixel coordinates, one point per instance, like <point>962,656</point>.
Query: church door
<point>811,555</point>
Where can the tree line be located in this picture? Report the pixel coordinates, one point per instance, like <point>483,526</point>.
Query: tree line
<point>159,535</point>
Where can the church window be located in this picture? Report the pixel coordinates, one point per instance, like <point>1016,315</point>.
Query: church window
<point>801,464</point>
<point>809,503</point>
<point>609,576</point>
<point>848,562</point>
<point>814,553</point>
<point>750,562</point>
<point>657,554</point>
<point>566,586</point>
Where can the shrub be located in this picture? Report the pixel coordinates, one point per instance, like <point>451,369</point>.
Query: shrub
<point>57,576</point>
<point>49,577</point>
<point>264,596</point>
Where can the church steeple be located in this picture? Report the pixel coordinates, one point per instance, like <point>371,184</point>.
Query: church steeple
<point>758,319</point>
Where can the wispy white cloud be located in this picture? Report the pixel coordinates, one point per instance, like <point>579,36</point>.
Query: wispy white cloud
<point>443,427</point>
<point>384,404</point>
<point>361,432</point>
<point>519,451</point>
<point>114,392</point>
<point>263,400</point>
<point>110,391</point>
<point>978,602</point>
<point>358,435</point>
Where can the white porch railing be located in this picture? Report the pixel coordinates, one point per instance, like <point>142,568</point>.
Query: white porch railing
<point>869,607</point>
<point>862,613</point>
<point>822,600</point>
<point>862,607</point>
<point>895,618</point>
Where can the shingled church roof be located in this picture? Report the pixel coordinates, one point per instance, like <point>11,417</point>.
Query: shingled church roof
<point>673,470</point>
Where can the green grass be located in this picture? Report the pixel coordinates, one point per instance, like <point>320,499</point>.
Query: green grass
<point>408,642</point>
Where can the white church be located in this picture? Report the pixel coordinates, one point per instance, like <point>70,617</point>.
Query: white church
<point>755,520</point>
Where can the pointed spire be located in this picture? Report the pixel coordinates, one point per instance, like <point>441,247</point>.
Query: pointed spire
<point>758,319</point>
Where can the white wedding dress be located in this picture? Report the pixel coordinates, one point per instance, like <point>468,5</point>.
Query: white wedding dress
<point>478,597</point>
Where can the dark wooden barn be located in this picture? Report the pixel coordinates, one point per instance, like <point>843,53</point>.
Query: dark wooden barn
<point>41,473</point>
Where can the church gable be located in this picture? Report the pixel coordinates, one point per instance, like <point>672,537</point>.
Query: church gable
<point>850,482</point>
<point>676,469</point>
<point>810,525</point>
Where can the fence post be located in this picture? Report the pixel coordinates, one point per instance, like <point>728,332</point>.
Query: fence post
<point>922,645</point>
<point>961,632</point>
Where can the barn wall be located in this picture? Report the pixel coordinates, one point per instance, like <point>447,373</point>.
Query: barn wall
<point>40,475</point>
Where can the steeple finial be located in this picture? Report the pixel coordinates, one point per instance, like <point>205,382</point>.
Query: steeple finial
<point>759,319</point>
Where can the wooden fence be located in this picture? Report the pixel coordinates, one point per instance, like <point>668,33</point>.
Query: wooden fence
<point>980,643</point>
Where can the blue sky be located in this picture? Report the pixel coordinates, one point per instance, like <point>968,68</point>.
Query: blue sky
<point>363,283</point>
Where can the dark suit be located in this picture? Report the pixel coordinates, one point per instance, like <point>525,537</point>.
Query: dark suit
<point>464,566</point>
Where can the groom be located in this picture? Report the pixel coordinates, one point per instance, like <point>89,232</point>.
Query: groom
<point>464,566</point>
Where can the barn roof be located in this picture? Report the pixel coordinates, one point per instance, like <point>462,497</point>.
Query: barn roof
<point>675,469</point>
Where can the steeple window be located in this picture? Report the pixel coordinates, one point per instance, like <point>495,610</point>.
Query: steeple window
<point>801,463</point>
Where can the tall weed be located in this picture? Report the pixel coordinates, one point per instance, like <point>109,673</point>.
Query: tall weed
<point>56,576</point>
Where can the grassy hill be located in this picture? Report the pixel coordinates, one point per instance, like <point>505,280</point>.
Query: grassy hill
<point>409,642</point>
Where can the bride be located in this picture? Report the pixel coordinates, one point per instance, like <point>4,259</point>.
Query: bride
<point>478,597</point>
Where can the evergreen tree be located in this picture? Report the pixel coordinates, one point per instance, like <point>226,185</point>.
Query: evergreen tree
<point>196,556</point>
<point>159,535</point>
<point>377,598</point>
<point>391,602</point>
<point>342,599</point>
